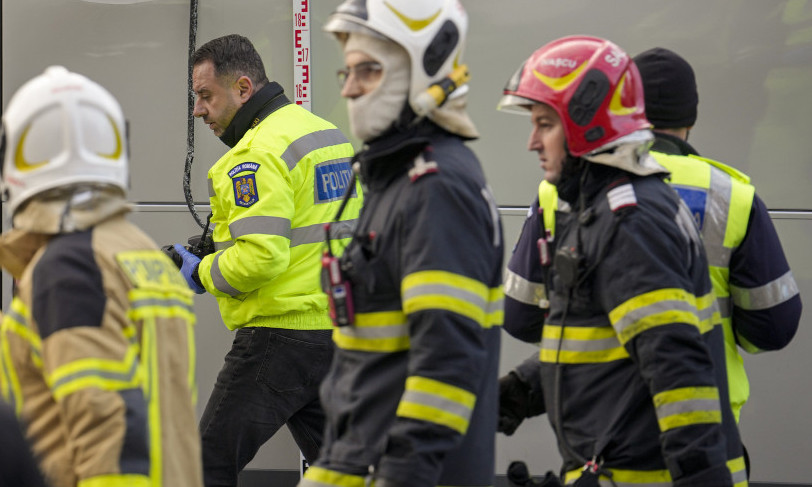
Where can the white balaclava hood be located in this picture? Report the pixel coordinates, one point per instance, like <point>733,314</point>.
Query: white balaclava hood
<point>374,113</point>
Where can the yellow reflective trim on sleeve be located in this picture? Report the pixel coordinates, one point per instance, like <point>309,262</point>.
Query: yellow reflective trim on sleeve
<point>582,345</point>
<point>667,306</point>
<point>432,415</point>
<point>322,477</point>
<point>738,471</point>
<point>452,292</point>
<point>687,419</point>
<point>105,374</point>
<point>114,480</point>
<point>437,402</point>
<point>686,406</point>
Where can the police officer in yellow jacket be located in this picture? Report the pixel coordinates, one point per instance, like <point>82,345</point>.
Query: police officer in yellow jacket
<point>271,195</point>
<point>97,348</point>
<point>411,397</point>
<point>631,368</point>
<point>757,294</point>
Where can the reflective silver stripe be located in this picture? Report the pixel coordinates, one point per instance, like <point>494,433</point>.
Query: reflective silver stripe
<point>525,291</point>
<point>223,245</point>
<point>445,290</point>
<point>219,280</point>
<point>716,215</point>
<point>310,142</point>
<point>165,303</point>
<point>343,229</point>
<point>263,225</point>
<point>763,297</point>
<point>386,331</point>
<point>724,307</point>
<point>739,476</point>
<point>438,402</point>
<point>633,317</point>
<point>126,376</point>
<point>571,345</point>
<point>307,235</point>
<point>687,406</point>
<point>13,314</point>
<point>212,194</point>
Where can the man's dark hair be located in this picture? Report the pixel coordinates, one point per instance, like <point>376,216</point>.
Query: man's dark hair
<point>232,55</point>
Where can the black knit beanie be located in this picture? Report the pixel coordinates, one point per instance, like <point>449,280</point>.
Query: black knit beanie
<point>670,88</point>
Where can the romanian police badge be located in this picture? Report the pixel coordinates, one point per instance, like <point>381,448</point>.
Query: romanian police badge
<point>245,184</point>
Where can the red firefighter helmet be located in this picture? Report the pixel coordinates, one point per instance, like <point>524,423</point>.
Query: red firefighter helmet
<point>590,82</point>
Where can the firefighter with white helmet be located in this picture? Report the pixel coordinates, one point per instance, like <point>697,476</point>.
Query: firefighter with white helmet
<point>411,397</point>
<point>97,349</point>
<point>631,369</point>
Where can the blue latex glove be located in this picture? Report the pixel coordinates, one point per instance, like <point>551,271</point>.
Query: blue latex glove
<point>190,263</point>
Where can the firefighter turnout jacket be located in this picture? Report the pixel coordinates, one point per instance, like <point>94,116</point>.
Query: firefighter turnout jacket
<point>271,196</point>
<point>412,392</point>
<point>757,294</point>
<point>97,357</point>
<point>632,356</point>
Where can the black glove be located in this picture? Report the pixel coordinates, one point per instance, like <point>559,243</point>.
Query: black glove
<point>514,402</point>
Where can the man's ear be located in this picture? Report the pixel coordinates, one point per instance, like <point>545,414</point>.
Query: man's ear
<point>245,87</point>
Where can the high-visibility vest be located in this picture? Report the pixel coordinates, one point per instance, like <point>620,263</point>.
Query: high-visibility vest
<point>720,199</point>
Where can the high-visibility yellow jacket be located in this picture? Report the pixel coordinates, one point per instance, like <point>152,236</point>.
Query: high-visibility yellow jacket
<point>271,196</point>
<point>97,358</point>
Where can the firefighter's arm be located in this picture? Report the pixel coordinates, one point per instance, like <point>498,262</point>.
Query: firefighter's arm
<point>526,301</point>
<point>661,324</point>
<point>766,303</point>
<point>93,369</point>
<point>453,309</point>
<point>256,230</point>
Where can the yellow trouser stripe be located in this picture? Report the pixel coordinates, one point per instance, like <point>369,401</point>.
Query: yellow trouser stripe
<point>437,402</point>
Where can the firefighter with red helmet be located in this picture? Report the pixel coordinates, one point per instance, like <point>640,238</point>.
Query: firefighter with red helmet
<point>631,369</point>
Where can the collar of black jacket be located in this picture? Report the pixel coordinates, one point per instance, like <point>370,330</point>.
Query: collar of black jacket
<point>268,99</point>
<point>671,144</point>
<point>581,183</point>
<point>391,154</point>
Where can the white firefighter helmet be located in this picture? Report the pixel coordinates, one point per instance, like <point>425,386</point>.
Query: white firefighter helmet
<point>62,129</point>
<point>431,31</point>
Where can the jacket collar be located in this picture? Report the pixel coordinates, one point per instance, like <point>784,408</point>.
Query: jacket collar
<point>391,154</point>
<point>268,99</point>
<point>673,145</point>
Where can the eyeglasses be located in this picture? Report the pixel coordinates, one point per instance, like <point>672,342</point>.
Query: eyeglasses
<point>365,73</point>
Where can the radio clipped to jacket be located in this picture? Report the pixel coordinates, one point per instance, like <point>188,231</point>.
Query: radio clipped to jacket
<point>338,290</point>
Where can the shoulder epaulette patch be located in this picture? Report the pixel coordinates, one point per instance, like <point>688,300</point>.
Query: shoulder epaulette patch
<point>422,167</point>
<point>245,183</point>
<point>621,197</point>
